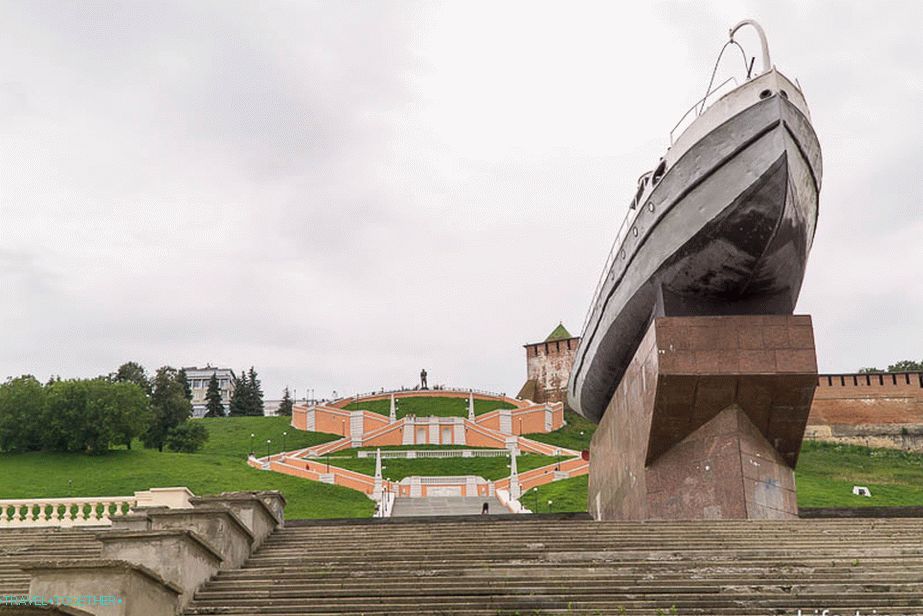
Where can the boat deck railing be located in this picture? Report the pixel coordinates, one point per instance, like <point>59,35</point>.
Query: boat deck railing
<point>610,261</point>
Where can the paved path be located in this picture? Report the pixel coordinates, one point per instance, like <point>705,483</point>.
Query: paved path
<point>445,505</point>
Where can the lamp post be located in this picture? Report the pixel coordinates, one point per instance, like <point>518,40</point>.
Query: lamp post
<point>535,493</point>
<point>549,506</point>
<point>284,434</point>
<point>267,448</point>
<point>251,443</point>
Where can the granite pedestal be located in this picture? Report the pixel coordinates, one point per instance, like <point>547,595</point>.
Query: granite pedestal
<point>707,422</point>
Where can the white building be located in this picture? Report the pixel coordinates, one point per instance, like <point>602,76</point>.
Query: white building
<point>198,380</point>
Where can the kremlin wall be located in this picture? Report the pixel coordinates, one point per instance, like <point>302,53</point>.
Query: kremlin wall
<point>872,410</point>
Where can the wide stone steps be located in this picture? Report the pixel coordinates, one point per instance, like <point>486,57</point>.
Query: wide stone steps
<point>538,565</point>
<point>19,547</point>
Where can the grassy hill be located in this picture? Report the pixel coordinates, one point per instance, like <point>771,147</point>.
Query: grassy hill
<point>424,406</point>
<point>575,434</point>
<point>219,467</point>
<point>488,468</point>
<point>825,475</point>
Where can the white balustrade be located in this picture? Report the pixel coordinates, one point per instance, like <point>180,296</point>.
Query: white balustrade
<point>64,512</point>
<point>437,453</point>
<point>86,511</point>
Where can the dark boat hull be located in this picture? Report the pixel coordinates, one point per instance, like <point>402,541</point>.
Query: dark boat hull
<point>728,231</point>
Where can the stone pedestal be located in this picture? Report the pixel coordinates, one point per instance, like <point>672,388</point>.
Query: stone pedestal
<point>707,422</point>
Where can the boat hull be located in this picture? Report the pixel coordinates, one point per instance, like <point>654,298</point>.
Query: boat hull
<point>726,231</point>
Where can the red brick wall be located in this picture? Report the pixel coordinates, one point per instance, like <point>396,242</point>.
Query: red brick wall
<point>549,365</point>
<point>858,399</point>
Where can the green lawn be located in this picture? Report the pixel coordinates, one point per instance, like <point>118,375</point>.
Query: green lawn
<point>825,476</point>
<point>488,468</point>
<point>427,406</point>
<point>576,434</point>
<point>565,495</point>
<point>231,435</point>
<point>352,453</point>
<point>220,467</point>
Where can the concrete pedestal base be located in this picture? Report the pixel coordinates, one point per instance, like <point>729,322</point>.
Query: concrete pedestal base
<point>707,422</point>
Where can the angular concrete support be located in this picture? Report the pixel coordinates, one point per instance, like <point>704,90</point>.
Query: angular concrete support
<point>180,557</point>
<point>217,525</point>
<point>707,421</point>
<point>111,587</point>
<point>261,512</point>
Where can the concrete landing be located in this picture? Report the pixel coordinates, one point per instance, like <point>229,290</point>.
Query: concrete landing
<point>445,505</point>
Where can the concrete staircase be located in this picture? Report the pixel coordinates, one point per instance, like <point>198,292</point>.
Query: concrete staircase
<point>555,564</point>
<point>20,547</point>
<point>445,505</point>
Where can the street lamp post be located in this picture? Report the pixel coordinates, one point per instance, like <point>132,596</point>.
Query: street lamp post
<point>268,441</point>
<point>284,434</point>
<point>251,443</point>
<point>549,505</point>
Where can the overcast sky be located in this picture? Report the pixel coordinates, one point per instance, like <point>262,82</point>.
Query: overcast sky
<point>341,193</point>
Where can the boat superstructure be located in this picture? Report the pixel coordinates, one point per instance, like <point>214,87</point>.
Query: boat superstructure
<point>722,225</point>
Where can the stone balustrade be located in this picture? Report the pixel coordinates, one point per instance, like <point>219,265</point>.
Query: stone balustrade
<point>86,511</point>
<point>64,512</point>
<point>437,453</point>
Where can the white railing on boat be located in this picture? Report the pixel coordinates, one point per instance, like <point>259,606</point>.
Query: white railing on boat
<point>699,108</point>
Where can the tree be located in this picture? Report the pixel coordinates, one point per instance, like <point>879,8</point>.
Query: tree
<point>285,407</point>
<point>86,415</point>
<point>169,407</point>
<point>214,407</point>
<point>130,413</point>
<point>870,370</point>
<point>188,437</point>
<point>906,365</point>
<point>255,406</point>
<point>240,397</point>
<point>22,407</point>
<point>133,372</point>
<point>187,386</point>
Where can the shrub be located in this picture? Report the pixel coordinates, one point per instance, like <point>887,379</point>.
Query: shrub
<point>188,437</point>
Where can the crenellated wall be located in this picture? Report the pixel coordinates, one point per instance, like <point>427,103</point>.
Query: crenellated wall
<point>874,410</point>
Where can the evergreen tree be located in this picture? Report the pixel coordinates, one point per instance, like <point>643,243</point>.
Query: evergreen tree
<point>240,397</point>
<point>184,381</point>
<point>169,406</point>
<point>213,404</point>
<point>285,407</point>
<point>255,406</point>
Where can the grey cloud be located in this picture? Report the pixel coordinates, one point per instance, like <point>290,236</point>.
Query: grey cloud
<point>342,193</point>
